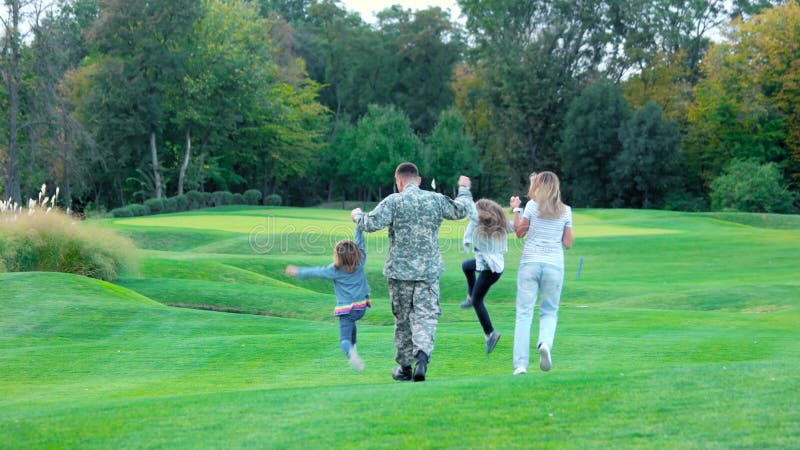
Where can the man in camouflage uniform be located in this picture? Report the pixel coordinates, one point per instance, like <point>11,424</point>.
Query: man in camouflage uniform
<point>414,263</point>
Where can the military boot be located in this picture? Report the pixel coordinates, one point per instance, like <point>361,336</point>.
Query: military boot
<point>402,373</point>
<point>422,366</point>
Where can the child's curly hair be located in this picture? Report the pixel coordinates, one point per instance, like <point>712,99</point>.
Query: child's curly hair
<point>492,221</point>
<point>347,255</point>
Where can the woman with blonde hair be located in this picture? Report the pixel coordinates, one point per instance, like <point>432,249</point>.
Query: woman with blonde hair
<point>547,223</point>
<point>488,233</point>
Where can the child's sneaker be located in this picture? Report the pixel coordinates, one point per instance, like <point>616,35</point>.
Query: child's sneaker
<point>491,341</point>
<point>467,303</point>
<point>520,371</point>
<point>355,360</point>
<point>545,363</point>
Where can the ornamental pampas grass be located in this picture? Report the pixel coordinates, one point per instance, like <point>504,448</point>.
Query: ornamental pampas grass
<point>48,240</point>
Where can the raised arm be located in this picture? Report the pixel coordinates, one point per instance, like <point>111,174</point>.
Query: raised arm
<point>361,244</point>
<point>521,224</point>
<point>459,207</point>
<point>473,222</point>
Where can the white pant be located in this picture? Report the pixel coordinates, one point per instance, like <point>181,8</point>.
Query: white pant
<point>534,279</point>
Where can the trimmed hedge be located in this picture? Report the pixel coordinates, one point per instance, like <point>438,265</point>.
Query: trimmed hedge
<point>155,205</point>
<point>132,210</point>
<point>273,200</point>
<point>252,196</point>
<point>194,200</point>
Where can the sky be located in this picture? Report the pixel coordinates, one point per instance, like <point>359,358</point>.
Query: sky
<point>368,8</point>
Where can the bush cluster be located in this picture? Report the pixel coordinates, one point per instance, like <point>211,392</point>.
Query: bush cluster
<point>194,200</point>
<point>54,242</point>
<point>749,186</point>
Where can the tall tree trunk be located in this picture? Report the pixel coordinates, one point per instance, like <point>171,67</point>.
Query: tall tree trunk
<point>154,154</point>
<point>201,176</point>
<point>11,79</point>
<point>65,156</point>
<point>186,157</point>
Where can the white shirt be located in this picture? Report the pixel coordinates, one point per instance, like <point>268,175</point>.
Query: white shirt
<point>489,252</point>
<point>543,243</point>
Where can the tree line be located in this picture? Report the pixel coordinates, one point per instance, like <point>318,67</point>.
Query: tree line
<point>673,104</point>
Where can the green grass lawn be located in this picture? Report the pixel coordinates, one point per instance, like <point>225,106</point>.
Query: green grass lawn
<point>681,332</point>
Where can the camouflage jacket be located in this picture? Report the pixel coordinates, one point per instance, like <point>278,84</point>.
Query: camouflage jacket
<point>413,217</point>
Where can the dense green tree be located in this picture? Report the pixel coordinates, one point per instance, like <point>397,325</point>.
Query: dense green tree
<point>473,100</point>
<point>382,139</point>
<point>58,46</point>
<point>590,142</point>
<point>426,47</point>
<point>647,168</point>
<point>748,186</point>
<point>230,61</point>
<point>535,56</point>
<point>747,106</point>
<point>345,55</point>
<point>449,152</point>
<point>100,96</point>
<point>149,38</point>
<point>292,11</point>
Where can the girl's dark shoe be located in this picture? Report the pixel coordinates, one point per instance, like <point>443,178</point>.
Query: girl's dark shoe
<point>491,341</point>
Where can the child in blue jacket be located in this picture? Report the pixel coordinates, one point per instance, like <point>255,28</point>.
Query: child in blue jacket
<point>350,287</point>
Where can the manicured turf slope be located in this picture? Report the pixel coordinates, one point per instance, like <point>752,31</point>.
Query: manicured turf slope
<point>681,332</point>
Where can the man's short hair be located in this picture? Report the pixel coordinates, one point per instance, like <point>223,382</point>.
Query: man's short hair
<point>406,170</point>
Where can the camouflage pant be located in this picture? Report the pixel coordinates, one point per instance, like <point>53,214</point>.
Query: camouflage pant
<point>415,305</point>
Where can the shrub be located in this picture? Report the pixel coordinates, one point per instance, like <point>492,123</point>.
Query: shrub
<point>139,210</point>
<point>748,186</point>
<point>170,205</point>
<point>222,198</point>
<point>273,200</point>
<point>132,210</point>
<point>123,211</point>
<point>181,203</point>
<point>208,199</point>
<point>195,200</point>
<point>155,205</point>
<point>252,196</point>
<point>681,200</point>
<point>238,199</point>
<point>54,242</point>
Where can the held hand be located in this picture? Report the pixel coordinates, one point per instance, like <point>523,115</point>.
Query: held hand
<point>355,212</point>
<point>291,271</point>
<point>515,202</point>
<point>464,181</point>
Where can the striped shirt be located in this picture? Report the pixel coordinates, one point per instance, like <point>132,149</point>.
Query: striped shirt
<point>543,243</point>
